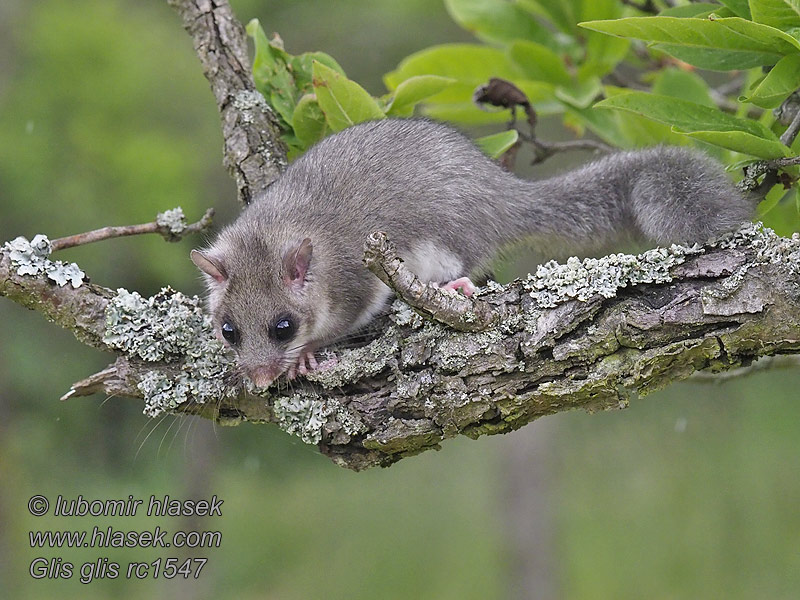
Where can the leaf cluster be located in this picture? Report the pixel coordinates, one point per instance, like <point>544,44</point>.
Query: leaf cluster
<point>313,97</point>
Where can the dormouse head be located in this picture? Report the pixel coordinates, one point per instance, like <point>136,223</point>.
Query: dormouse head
<point>262,297</point>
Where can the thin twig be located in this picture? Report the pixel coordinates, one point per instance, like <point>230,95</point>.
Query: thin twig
<point>499,92</point>
<point>453,309</point>
<point>729,87</point>
<point>769,169</point>
<point>625,81</point>
<point>544,150</point>
<point>169,233</point>
<point>791,132</point>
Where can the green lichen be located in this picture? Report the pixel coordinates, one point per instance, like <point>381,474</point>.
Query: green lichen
<point>769,247</point>
<point>174,220</point>
<point>403,315</point>
<point>247,101</point>
<point>167,327</point>
<point>31,258</point>
<point>358,363</point>
<point>454,352</point>
<point>555,283</point>
<point>305,416</point>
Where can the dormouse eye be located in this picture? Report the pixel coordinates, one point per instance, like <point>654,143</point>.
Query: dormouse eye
<point>230,333</point>
<point>284,329</point>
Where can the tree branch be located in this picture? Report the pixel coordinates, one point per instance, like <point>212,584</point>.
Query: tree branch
<point>579,335</point>
<point>586,334</point>
<point>254,153</point>
<point>171,225</point>
<point>452,309</point>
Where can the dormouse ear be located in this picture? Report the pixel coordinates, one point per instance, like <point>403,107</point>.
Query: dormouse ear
<point>296,262</point>
<point>209,265</point>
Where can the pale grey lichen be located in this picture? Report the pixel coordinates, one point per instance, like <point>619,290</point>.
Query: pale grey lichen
<point>404,315</point>
<point>358,363</point>
<point>31,258</point>
<point>305,416</point>
<point>168,326</point>
<point>174,220</point>
<point>491,286</point>
<point>555,283</point>
<point>414,384</point>
<point>454,352</point>
<point>248,100</point>
<point>769,246</point>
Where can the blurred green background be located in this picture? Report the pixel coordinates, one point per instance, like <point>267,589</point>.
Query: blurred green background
<point>105,119</point>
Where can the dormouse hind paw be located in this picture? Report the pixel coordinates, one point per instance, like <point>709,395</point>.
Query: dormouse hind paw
<point>462,283</point>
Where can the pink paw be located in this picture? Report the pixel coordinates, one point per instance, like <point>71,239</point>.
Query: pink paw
<point>462,283</point>
<point>307,362</point>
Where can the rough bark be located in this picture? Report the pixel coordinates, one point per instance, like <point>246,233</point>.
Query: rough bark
<point>253,153</point>
<point>588,335</point>
<point>420,382</point>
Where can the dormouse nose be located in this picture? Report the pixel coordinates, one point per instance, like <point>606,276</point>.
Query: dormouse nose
<point>263,375</point>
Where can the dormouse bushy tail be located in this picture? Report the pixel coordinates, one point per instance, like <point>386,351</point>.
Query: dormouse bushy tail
<point>660,195</point>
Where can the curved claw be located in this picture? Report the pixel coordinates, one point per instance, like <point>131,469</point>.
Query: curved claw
<point>306,363</point>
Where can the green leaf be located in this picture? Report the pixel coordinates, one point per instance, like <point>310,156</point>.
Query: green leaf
<point>718,44</point>
<point>580,95</point>
<point>496,144</point>
<point>782,80</point>
<point>601,52</point>
<point>741,141</point>
<point>538,62</point>
<point>603,123</point>
<point>271,74</point>
<point>783,218</point>
<point>302,67</point>
<point>684,115</point>
<point>626,129</point>
<point>702,122</point>
<point>770,201</point>
<point>777,13</point>
<point>468,63</point>
<point>293,146</point>
<point>413,90</point>
<point>562,13</point>
<point>343,101</point>
<point>716,60</point>
<point>740,7</point>
<point>308,121</point>
<point>691,10</point>
<point>686,85</point>
<point>499,21</point>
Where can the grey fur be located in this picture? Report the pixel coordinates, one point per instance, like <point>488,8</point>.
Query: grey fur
<point>450,210</point>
